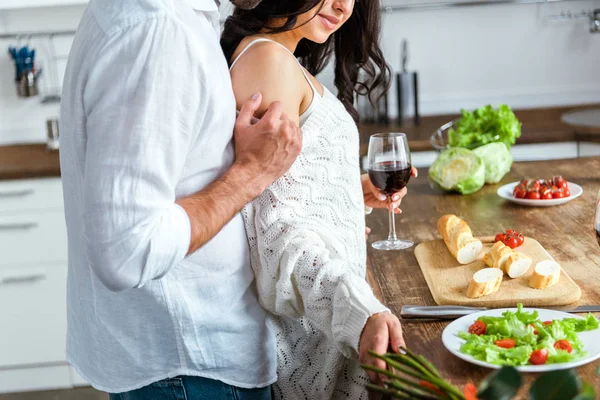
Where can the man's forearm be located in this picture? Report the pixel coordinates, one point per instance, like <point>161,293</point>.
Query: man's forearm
<point>213,207</point>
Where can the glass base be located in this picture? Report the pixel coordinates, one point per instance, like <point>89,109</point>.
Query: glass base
<point>393,244</point>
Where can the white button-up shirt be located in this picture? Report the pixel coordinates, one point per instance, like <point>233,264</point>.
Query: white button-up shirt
<point>147,117</point>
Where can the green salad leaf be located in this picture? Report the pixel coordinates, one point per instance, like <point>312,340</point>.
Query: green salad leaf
<point>485,125</point>
<point>521,326</point>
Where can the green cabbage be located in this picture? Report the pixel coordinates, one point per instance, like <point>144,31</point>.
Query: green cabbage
<point>485,125</point>
<point>497,160</point>
<point>458,169</point>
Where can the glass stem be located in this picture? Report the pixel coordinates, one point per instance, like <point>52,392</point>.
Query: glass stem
<point>392,223</point>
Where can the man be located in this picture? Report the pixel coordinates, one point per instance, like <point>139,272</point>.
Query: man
<point>161,297</point>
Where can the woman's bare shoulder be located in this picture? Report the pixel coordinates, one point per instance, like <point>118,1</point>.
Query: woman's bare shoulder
<point>270,69</point>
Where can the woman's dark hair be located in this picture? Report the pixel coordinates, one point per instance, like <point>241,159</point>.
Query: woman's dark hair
<point>360,67</point>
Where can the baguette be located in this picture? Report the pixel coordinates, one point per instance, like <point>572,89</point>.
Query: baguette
<point>545,274</point>
<point>459,239</point>
<point>484,282</point>
<point>506,259</point>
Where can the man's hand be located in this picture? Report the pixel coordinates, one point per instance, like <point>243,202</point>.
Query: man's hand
<point>375,198</point>
<point>382,331</point>
<point>267,148</point>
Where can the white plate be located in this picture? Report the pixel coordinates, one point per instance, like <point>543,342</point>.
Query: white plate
<point>506,192</point>
<point>452,342</point>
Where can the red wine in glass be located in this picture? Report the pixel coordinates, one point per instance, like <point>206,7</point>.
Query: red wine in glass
<point>389,171</point>
<point>390,176</point>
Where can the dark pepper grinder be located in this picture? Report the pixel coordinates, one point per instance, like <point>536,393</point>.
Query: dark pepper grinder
<point>407,89</point>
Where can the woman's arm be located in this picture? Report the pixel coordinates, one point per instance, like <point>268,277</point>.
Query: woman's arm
<point>269,69</point>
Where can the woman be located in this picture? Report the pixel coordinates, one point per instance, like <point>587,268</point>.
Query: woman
<point>306,231</point>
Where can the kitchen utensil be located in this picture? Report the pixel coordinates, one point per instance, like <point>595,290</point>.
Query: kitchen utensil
<point>448,280</point>
<point>453,312</point>
<point>27,84</point>
<point>407,89</point>
<point>52,134</point>
<point>506,192</point>
<point>452,342</point>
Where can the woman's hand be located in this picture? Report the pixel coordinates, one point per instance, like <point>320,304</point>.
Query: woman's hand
<point>382,331</point>
<point>375,198</point>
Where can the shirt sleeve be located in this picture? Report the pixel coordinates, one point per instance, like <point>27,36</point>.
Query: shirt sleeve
<point>298,274</point>
<point>143,105</point>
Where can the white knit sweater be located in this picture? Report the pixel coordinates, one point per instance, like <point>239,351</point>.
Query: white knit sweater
<point>307,243</point>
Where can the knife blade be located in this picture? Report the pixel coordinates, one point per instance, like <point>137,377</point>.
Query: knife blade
<point>453,312</point>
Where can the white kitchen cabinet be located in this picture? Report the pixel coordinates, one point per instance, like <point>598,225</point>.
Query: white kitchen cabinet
<point>34,315</point>
<point>30,194</point>
<point>587,149</point>
<point>33,237</point>
<point>15,4</point>
<point>33,279</point>
<point>28,379</point>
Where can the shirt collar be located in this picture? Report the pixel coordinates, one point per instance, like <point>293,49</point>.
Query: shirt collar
<point>204,5</point>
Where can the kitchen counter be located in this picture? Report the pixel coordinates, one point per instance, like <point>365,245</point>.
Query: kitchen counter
<point>566,231</point>
<point>540,125</point>
<point>28,161</point>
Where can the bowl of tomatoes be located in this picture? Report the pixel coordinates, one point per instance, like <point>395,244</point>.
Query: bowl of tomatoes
<point>541,192</point>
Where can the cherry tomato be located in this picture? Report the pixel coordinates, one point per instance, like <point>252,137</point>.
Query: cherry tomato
<point>520,193</point>
<point>524,183</point>
<point>533,195</point>
<point>520,239</point>
<point>546,196</point>
<point>500,237</point>
<point>567,192</point>
<point>535,331</point>
<point>505,343</point>
<point>470,392</point>
<point>560,182</point>
<point>563,345</point>
<point>510,231</point>
<point>478,328</point>
<point>539,357</point>
<point>546,323</point>
<point>534,184</point>
<point>559,194</point>
<point>511,241</point>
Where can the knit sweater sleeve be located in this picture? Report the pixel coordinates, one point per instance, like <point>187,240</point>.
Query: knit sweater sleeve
<point>304,266</point>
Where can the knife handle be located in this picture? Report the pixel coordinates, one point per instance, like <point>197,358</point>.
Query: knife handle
<point>437,312</point>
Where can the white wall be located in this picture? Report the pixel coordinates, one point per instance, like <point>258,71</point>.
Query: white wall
<point>466,57</point>
<point>502,53</point>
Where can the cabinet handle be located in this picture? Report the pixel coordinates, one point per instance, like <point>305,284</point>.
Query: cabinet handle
<point>18,226</point>
<point>16,280</point>
<point>19,193</point>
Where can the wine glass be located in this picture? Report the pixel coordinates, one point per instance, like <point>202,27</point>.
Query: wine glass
<point>389,171</point>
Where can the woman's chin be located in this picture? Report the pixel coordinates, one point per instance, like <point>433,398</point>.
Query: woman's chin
<point>319,38</point>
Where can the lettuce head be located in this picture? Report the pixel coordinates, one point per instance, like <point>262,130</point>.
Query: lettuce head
<point>497,160</point>
<point>458,169</point>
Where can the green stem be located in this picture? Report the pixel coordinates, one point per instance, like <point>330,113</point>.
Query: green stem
<point>439,382</point>
<point>423,361</point>
<point>395,377</point>
<point>415,393</point>
<point>387,392</point>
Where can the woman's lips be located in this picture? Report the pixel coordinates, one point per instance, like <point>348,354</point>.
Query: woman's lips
<point>329,21</point>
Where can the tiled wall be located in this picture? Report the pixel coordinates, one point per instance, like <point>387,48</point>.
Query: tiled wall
<point>466,57</point>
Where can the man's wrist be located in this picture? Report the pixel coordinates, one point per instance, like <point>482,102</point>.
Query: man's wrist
<point>243,180</point>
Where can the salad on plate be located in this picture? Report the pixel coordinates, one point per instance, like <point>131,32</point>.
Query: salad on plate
<point>521,338</point>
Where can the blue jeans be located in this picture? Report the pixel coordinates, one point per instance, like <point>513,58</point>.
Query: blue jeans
<point>192,388</point>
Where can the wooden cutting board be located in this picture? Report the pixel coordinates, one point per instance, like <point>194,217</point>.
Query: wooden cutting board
<point>448,280</point>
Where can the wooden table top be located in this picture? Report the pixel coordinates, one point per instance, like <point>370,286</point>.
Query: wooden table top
<point>28,161</point>
<point>566,231</point>
<point>540,125</point>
